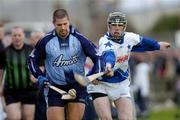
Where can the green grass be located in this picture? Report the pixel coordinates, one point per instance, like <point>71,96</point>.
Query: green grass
<point>166,114</point>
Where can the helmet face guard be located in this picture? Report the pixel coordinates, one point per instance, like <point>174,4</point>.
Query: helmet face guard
<point>117,18</point>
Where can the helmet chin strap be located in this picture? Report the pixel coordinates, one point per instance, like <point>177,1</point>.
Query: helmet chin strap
<point>117,39</point>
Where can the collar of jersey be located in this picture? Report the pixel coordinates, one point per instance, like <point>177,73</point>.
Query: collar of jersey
<point>119,41</point>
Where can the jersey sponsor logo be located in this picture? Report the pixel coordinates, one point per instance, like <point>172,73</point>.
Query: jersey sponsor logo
<point>60,61</point>
<point>122,58</point>
<point>64,44</point>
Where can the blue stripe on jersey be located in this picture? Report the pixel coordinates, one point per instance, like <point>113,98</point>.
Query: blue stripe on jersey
<point>91,51</point>
<point>88,47</point>
<point>109,57</point>
<point>119,76</point>
<point>146,44</point>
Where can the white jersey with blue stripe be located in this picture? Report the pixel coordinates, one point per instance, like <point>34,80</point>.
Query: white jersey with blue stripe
<point>62,57</point>
<point>121,49</point>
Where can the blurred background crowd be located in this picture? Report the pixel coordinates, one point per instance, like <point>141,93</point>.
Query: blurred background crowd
<point>159,72</point>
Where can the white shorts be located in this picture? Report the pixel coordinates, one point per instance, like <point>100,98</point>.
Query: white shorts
<point>113,90</point>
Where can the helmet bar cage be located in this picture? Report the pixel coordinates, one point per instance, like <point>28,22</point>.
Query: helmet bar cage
<point>117,18</point>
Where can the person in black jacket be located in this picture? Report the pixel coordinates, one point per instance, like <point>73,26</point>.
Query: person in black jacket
<point>19,92</point>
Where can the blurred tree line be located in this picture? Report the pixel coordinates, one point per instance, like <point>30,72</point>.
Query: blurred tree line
<point>167,23</point>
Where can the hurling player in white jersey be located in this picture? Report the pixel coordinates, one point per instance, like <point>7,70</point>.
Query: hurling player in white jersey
<point>114,48</point>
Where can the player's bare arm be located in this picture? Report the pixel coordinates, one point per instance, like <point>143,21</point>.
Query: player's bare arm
<point>164,45</point>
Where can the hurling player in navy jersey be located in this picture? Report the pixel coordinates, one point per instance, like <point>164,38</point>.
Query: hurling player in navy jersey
<point>64,51</point>
<point>115,47</point>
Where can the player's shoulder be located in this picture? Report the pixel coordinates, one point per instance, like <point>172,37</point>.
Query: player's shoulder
<point>48,36</point>
<point>79,36</point>
<point>103,39</point>
<point>131,35</point>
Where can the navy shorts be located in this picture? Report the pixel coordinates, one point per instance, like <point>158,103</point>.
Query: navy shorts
<point>54,98</point>
<point>23,96</point>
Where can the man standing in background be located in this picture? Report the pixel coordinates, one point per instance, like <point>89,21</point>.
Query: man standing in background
<point>141,85</point>
<point>1,48</point>
<point>19,92</point>
<point>35,37</point>
<point>2,104</point>
<point>40,109</point>
<point>1,35</point>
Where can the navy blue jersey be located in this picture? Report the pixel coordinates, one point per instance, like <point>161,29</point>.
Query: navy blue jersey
<point>62,57</point>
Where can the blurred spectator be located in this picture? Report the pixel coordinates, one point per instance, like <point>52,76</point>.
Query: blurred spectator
<point>40,109</point>
<point>160,67</point>
<point>1,33</point>
<point>2,104</point>
<point>142,86</point>
<point>177,92</point>
<point>1,39</point>
<point>170,72</point>
<point>7,40</point>
<point>177,84</point>
<point>35,37</point>
<point>177,96</point>
<point>19,93</point>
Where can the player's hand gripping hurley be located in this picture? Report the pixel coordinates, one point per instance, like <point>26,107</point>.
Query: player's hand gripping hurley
<point>84,81</point>
<point>70,95</point>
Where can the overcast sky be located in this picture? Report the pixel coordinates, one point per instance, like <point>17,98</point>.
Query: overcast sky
<point>139,5</point>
